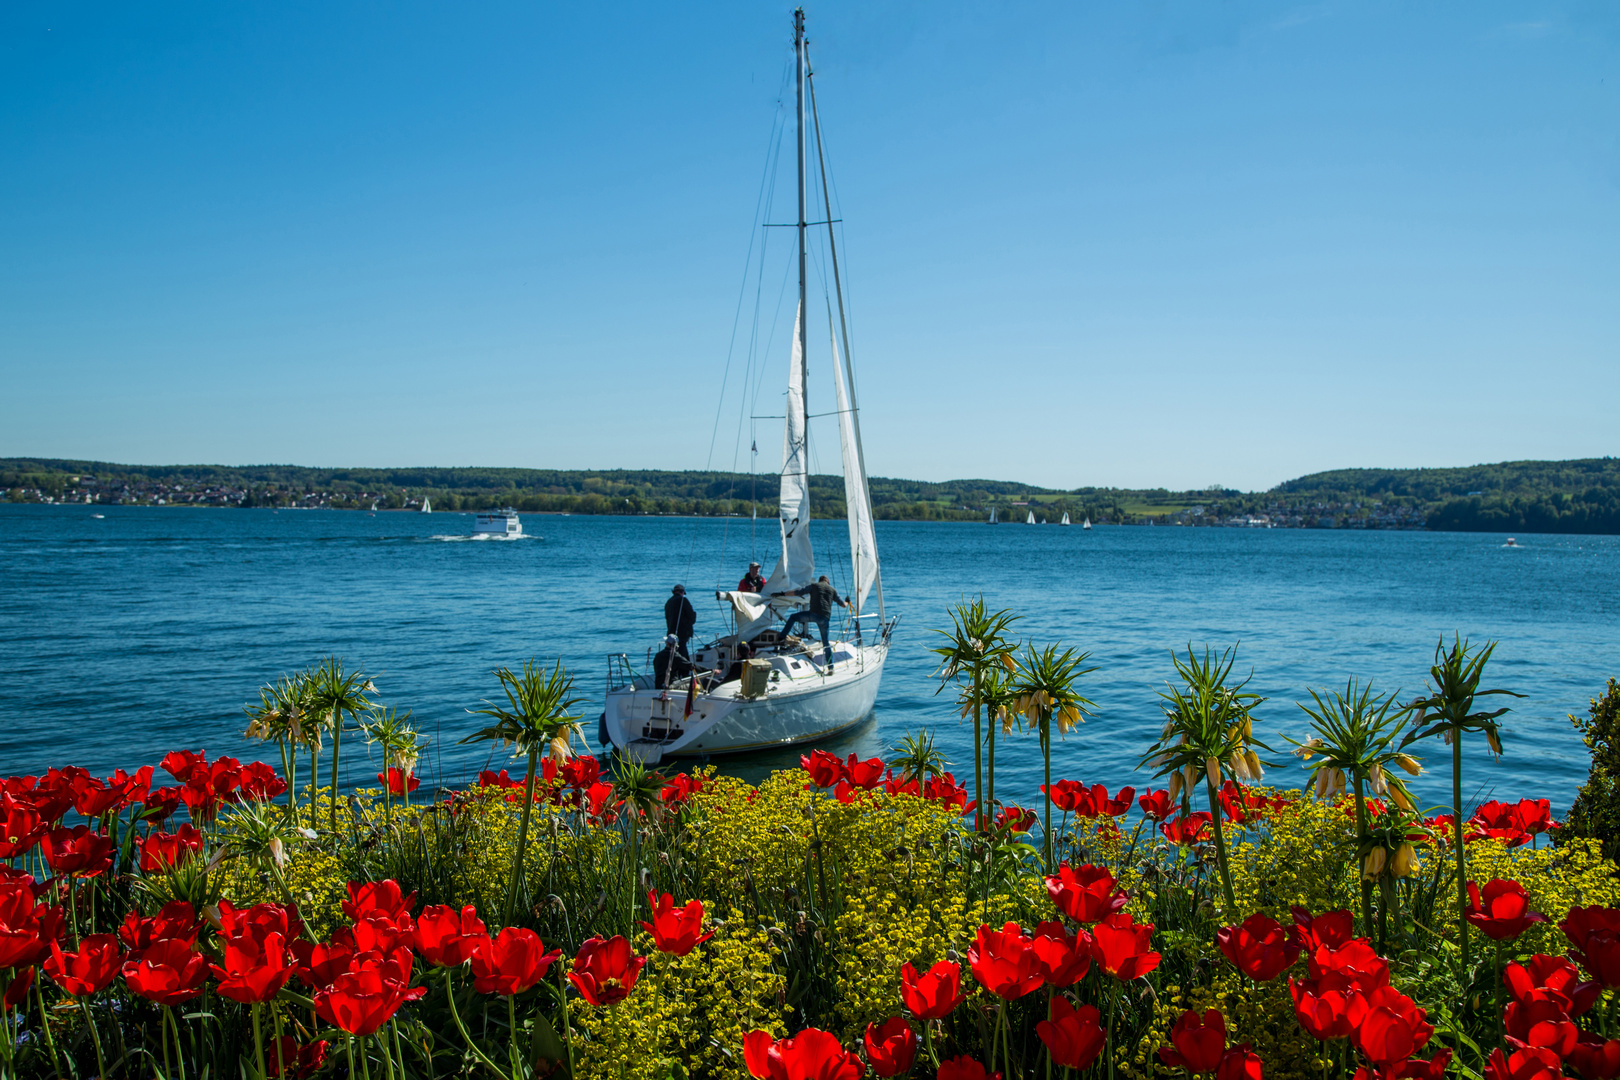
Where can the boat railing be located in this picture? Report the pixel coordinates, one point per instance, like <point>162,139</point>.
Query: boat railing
<point>620,672</point>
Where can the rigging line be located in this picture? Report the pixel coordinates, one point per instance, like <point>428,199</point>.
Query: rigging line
<point>760,212</point>
<point>832,245</point>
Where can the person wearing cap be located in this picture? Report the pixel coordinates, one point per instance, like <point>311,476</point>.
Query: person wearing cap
<point>822,598</point>
<point>679,617</point>
<point>752,581</point>
<point>670,663</point>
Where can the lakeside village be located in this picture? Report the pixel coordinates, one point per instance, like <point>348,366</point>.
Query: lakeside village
<point>1274,514</point>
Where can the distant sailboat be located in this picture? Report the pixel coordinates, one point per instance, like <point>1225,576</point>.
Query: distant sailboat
<point>1087,524</point>
<point>427,505</point>
<point>993,519</point>
<point>1031,520</point>
<point>1065,520</point>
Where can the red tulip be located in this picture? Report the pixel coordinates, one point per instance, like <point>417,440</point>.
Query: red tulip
<point>825,769</point>
<point>78,850</point>
<point>1541,1022</point>
<point>1239,806</point>
<point>1534,815</point>
<point>1595,1057</point>
<point>362,1001</point>
<point>1354,966</point>
<point>1331,928</point>
<point>606,971</point>
<point>1556,974</point>
<point>511,962</point>
<point>680,789</point>
<point>258,780</point>
<point>181,763</point>
<point>284,1058</point>
<point>27,928</point>
<point>1016,818</point>
<point>175,921</point>
<point>1595,934</point>
<point>597,801</point>
<point>1073,1037</point>
<point>1157,804</point>
<point>378,933</point>
<point>1064,958</point>
<point>812,1054</point>
<point>93,797</point>
<point>1324,1015</point>
<point>500,780</point>
<point>168,971</point>
<point>446,937</point>
<point>1123,948</point>
<point>863,774</point>
<point>398,782</point>
<point>964,1068</point>
<point>893,785</point>
<point>581,772</point>
<point>1198,1042</point>
<point>377,896</point>
<point>53,796</point>
<point>1005,962</point>
<point>16,994</point>
<point>933,995</point>
<point>269,918</point>
<point>20,828</point>
<point>161,804</point>
<point>675,931</point>
<point>945,790</point>
<point>1504,913</point>
<point>320,963</point>
<point>1532,1064</point>
<point>1068,795</point>
<point>891,1048</point>
<point>847,793</point>
<point>1394,1028</point>
<point>254,968</point>
<point>88,971</point>
<point>1239,1063</point>
<point>1087,895</point>
<point>1187,830</point>
<point>1410,1069</point>
<point>1258,947</point>
<point>165,851</point>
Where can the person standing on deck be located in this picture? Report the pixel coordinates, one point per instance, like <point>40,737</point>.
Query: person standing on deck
<point>753,581</point>
<point>679,617</point>
<point>822,598</point>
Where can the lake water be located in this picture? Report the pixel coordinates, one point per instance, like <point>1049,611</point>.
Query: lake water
<point>148,629</point>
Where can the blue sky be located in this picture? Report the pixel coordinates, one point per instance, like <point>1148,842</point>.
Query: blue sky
<point>1167,242</point>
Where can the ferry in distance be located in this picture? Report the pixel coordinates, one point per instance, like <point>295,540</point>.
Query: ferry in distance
<point>498,523</point>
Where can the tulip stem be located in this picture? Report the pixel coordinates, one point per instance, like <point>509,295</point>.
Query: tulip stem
<point>388,1058</point>
<point>281,1058</point>
<point>45,1024</point>
<point>163,1029</point>
<point>568,1034</point>
<point>512,1035</point>
<point>258,1039</point>
<point>450,995</point>
<point>95,1037</point>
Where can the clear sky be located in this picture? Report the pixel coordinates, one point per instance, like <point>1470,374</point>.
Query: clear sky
<point>1167,242</point>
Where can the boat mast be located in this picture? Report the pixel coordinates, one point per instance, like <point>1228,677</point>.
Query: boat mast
<point>804,351</point>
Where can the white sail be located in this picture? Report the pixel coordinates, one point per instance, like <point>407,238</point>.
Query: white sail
<point>863,557</point>
<point>1031,520</point>
<point>797,565</point>
<point>1065,520</point>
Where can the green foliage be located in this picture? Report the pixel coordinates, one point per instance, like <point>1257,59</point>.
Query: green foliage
<point>1596,811</point>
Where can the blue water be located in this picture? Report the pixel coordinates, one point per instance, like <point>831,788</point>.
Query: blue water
<point>148,630</point>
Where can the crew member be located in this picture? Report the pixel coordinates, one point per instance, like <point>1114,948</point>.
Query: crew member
<point>752,581</point>
<point>670,663</point>
<point>679,618</point>
<point>739,657</point>
<point>822,597</point>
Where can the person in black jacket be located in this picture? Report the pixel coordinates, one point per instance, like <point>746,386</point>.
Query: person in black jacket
<point>822,598</point>
<point>679,618</point>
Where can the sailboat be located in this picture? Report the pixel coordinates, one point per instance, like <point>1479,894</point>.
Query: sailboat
<point>1087,523</point>
<point>1065,520</point>
<point>427,505</point>
<point>993,519</point>
<point>1031,520</point>
<point>779,690</point>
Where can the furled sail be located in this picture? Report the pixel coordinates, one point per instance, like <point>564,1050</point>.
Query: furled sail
<point>863,557</point>
<point>797,565</point>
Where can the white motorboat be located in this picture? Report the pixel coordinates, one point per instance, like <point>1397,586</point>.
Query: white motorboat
<point>498,523</point>
<point>788,690</point>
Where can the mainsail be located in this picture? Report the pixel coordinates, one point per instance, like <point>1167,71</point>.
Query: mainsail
<point>797,566</point>
<point>862,542</point>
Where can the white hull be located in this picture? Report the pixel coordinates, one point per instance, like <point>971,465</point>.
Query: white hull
<point>801,704</point>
